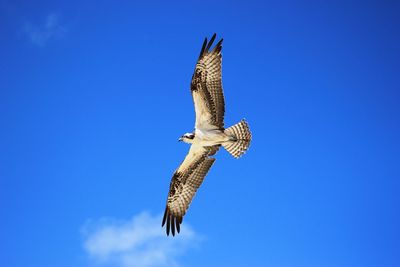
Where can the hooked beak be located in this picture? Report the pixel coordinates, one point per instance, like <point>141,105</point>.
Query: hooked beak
<point>180,139</point>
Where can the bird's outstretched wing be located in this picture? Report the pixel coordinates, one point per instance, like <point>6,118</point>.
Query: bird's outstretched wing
<point>206,87</point>
<point>184,184</point>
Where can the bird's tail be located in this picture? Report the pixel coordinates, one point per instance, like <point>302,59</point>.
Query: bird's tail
<point>241,137</point>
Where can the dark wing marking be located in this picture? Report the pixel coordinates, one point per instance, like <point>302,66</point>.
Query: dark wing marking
<point>184,185</point>
<point>206,87</point>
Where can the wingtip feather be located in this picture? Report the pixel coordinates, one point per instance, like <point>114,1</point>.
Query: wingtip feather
<point>178,225</point>
<point>168,224</point>
<point>203,48</point>
<point>218,46</point>
<point>207,45</point>
<point>211,41</point>
<point>173,225</point>
<point>164,217</point>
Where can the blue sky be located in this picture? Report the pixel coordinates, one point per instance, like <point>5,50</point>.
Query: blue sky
<point>94,95</point>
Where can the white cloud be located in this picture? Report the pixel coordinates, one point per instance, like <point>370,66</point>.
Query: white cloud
<point>41,34</point>
<point>139,242</point>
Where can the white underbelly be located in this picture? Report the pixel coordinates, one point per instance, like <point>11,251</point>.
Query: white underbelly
<point>210,137</point>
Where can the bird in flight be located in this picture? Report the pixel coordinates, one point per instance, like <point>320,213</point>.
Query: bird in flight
<point>208,136</point>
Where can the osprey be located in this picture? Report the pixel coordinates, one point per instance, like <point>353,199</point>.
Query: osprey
<point>208,136</point>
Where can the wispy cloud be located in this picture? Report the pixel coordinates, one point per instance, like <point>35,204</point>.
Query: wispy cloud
<point>139,242</point>
<point>41,34</point>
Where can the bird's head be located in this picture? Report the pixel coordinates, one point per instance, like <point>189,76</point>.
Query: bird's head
<point>187,138</point>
